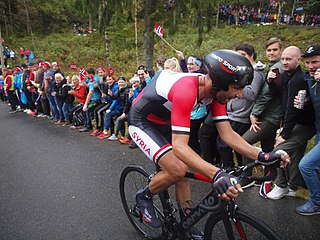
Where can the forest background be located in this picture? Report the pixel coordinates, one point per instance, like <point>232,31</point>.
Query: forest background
<point>122,31</point>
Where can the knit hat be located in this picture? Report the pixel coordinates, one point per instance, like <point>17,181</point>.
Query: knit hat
<point>134,79</point>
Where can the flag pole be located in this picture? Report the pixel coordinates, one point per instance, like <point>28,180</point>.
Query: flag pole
<point>169,44</point>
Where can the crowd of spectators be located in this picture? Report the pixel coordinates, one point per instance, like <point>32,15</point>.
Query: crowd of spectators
<point>96,101</point>
<point>265,15</point>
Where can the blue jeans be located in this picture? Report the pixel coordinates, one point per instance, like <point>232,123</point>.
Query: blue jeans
<point>53,106</point>
<point>66,108</point>
<point>109,118</point>
<point>59,103</point>
<point>310,170</point>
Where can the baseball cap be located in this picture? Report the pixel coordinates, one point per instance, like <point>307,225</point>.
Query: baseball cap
<point>312,51</point>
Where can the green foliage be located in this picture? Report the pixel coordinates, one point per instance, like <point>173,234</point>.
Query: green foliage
<point>90,50</point>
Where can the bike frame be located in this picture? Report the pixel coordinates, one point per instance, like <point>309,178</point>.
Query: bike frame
<point>211,203</point>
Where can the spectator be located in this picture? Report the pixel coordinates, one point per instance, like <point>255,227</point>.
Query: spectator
<point>9,89</point>
<point>115,108</point>
<point>238,110</point>
<point>28,88</point>
<point>310,164</point>
<point>80,93</point>
<point>266,113</point>
<point>99,112</point>
<point>198,114</point>
<point>57,94</point>
<point>17,72</point>
<point>298,126</point>
<point>2,92</point>
<point>122,95</point>
<point>172,64</point>
<point>93,98</point>
<point>68,100</point>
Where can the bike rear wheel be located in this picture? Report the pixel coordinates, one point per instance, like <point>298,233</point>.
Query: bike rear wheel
<point>134,178</point>
<point>244,227</point>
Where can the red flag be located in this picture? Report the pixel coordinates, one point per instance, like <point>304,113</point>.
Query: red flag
<point>73,67</point>
<point>110,72</point>
<point>82,74</point>
<point>158,30</point>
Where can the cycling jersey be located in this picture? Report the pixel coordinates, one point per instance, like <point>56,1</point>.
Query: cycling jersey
<point>164,106</point>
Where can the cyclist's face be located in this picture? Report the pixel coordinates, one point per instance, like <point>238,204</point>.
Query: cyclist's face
<point>234,91</point>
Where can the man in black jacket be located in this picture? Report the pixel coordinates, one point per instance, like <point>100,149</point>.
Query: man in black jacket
<point>298,125</point>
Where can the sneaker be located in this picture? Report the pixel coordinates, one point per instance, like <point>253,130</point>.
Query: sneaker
<point>84,129</point>
<point>103,135</point>
<point>41,115</point>
<point>95,132</point>
<point>113,137</point>
<point>67,123</point>
<point>59,122</point>
<point>32,113</point>
<point>132,144</point>
<point>291,193</point>
<point>13,111</point>
<point>74,127</point>
<point>277,192</point>
<point>148,213</point>
<point>26,110</point>
<point>308,209</point>
<point>245,182</point>
<point>195,233</point>
<point>124,140</point>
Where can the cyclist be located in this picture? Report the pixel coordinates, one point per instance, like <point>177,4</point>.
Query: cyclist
<point>159,123</point>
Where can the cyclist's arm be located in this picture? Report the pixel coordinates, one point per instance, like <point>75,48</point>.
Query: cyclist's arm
<point>235,141</point>
<point>192,159</point>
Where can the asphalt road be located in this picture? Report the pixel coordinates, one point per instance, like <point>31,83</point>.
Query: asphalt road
<point>56,183</point>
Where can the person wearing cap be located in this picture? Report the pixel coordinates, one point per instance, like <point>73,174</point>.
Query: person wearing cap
<point>310,164</point>
<point>9,89</point>
<point>297,128</point>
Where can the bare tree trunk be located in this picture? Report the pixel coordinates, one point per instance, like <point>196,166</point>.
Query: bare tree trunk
<point>136,31</point>
<point>148,41</point>
<point>10,17</point>
<point>1,51</point>
<point>106,38</point>
<point>217,19</point>
<point>279,11</point>
<point>29,29</point>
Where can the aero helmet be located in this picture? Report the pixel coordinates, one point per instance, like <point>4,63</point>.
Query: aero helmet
<point>227,67</point>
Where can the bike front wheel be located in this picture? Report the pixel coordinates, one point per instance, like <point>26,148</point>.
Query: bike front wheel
<point>134,178</point>
<point>243,226</point>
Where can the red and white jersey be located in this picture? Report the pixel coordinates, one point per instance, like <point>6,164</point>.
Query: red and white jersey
<point>172,96</point>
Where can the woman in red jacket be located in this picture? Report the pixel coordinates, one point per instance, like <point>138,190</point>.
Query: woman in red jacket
<point>80,93</point>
